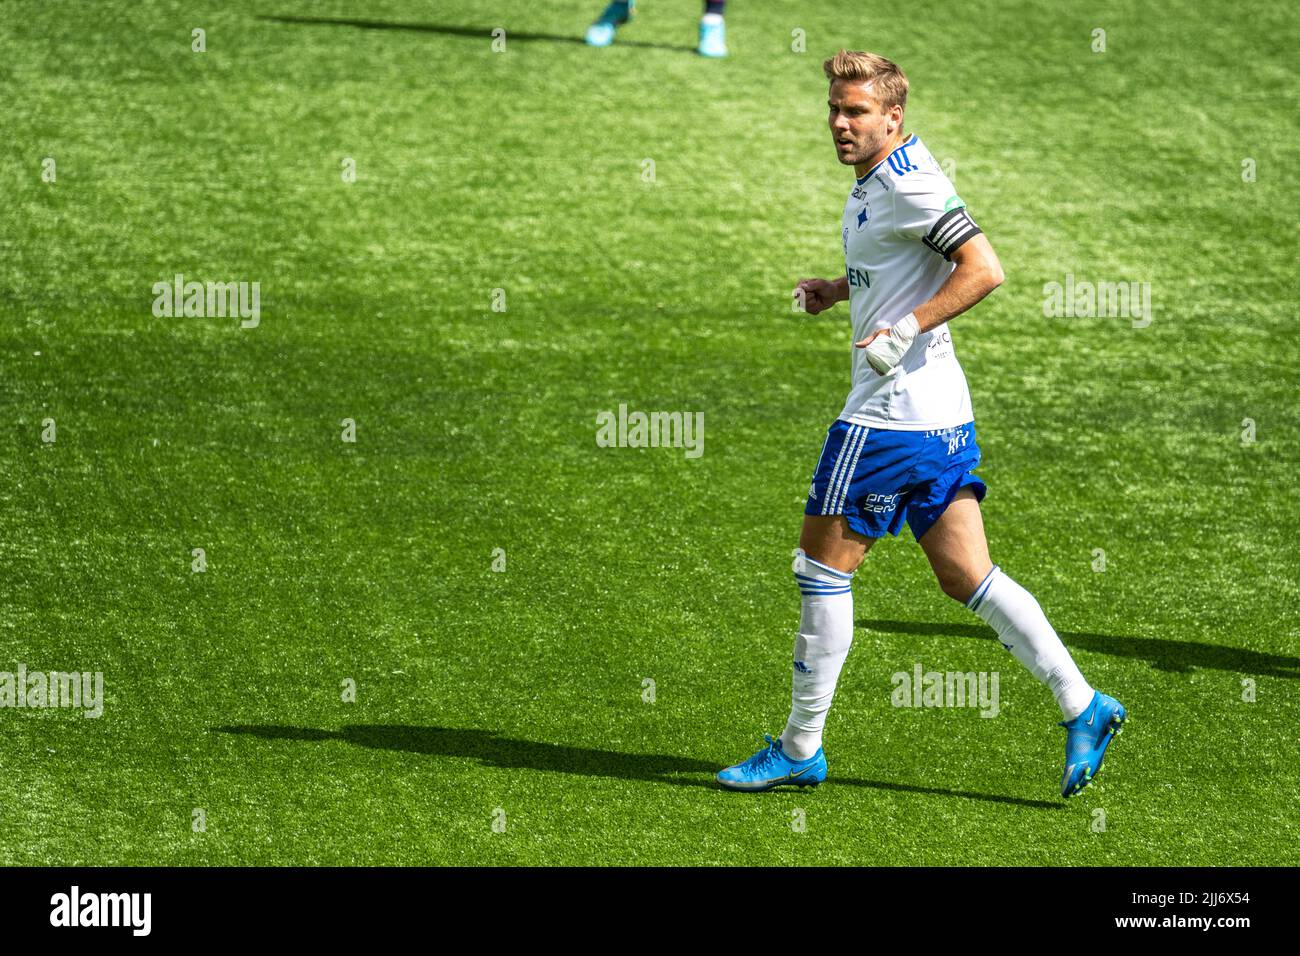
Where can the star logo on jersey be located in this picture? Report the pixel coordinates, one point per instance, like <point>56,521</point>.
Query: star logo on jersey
<point>864,215</point>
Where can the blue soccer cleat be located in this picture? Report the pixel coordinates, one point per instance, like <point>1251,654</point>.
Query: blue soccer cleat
<point>713,37</point>
<point>601,33</point>
<point>770,767</point>
<point>1089,735</point>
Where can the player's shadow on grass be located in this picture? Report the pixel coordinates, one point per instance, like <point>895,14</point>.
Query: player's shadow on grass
<point>1163,654</point>
<point>942,792</point>
<point>491,749</point>
<point>477,33</point>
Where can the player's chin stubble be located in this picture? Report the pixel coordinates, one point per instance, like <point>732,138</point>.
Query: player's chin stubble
<point>859,152</point>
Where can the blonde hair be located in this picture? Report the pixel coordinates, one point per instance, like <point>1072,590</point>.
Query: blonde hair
<point>885,80</point>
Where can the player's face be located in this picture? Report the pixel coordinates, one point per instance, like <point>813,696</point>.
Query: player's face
<point>860,126</point>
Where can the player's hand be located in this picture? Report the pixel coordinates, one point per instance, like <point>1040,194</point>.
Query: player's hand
<point>818,294</point>
<point>886,347</point>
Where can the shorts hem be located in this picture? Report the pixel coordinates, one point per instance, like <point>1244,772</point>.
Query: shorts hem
<point>860,527</point>
<point>968,480</point>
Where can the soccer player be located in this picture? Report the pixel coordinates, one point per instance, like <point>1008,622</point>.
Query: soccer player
<point>903,448</point>
<point>713,28</point>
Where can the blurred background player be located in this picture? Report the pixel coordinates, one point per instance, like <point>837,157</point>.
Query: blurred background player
<point>713,29</point>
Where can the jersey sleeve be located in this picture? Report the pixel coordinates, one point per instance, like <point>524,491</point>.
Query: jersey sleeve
<point>926,207</point>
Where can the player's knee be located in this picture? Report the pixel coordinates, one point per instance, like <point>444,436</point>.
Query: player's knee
<point>957,584</point>
<point>814,564</point>
<point>829,540</point>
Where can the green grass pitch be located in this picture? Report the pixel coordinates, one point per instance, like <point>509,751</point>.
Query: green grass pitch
<point>501,717</point>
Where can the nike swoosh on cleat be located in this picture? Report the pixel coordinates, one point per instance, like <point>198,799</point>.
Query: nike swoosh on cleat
<point>798,773</point>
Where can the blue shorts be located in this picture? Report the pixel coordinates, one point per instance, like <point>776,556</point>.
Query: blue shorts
<point>876,477</point>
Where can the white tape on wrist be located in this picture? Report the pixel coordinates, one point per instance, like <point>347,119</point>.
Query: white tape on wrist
<point>886,351</point>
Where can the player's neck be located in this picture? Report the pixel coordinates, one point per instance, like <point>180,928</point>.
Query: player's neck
<point>861,169</point>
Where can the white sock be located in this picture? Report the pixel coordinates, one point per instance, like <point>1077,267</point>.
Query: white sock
<point>825,633</point>
<point>1023,630</point>
<point>711,18</point>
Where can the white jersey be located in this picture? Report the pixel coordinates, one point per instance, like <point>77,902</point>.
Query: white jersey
<point>902,222</point>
